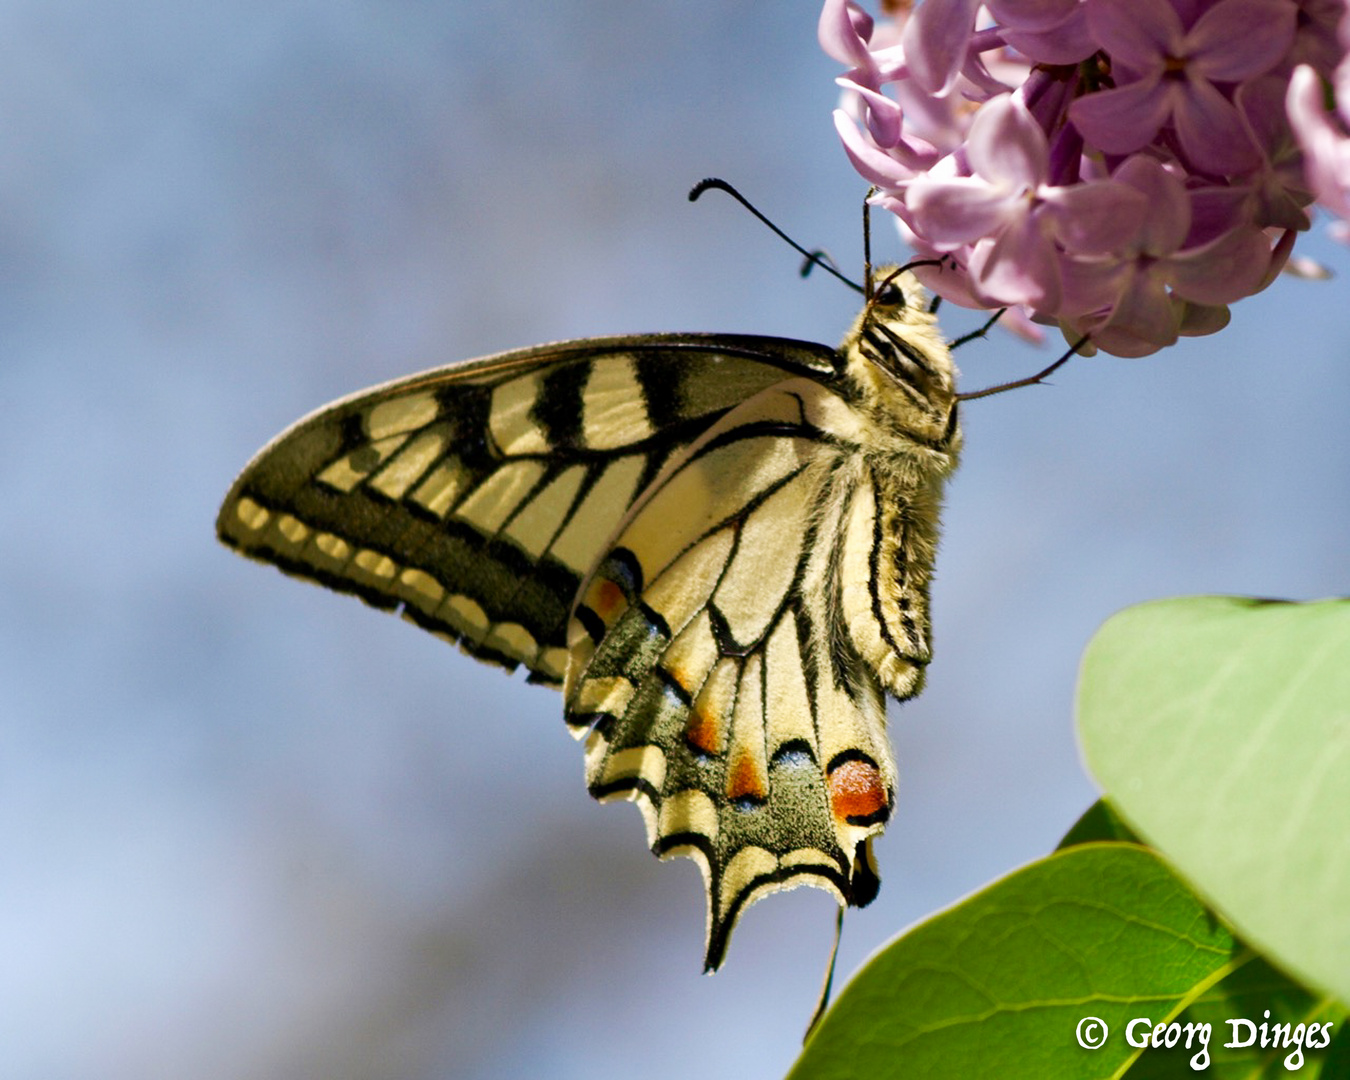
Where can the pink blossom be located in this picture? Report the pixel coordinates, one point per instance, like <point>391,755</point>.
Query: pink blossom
<point>1015,221</point>
<point>1135,304</point>
<point>1166,75</point>
<point>1126,168</point>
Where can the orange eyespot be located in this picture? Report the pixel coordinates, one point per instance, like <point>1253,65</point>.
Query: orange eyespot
<point>857,792</point>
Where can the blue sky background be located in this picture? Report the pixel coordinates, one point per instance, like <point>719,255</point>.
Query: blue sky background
<point>248,828</point>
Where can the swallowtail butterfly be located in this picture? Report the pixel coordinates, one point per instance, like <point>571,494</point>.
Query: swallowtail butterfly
<point>718,546</point>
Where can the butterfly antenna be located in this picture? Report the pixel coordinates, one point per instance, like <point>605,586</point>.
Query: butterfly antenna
<point>828,984</point>
<point>812,257</point>
<point>1030,380</point>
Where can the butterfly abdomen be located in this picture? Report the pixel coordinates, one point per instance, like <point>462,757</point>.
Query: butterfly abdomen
<point>905,384</point>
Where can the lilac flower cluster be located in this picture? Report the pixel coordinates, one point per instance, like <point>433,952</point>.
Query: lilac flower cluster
<point>1122,168</point>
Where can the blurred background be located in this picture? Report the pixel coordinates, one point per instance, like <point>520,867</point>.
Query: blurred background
<point>249,828</point>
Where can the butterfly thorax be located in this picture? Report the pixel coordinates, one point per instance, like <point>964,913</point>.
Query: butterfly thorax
<point>901,370</point>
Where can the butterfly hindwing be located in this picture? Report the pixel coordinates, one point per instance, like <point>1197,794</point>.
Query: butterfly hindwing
<point>711,670</point>
<point>477,497</point>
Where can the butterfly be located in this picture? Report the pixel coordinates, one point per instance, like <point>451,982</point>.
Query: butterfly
<point>718,546</point>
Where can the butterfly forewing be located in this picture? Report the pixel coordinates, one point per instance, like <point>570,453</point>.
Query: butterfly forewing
<point>476,497</point>
<point>719,546</point>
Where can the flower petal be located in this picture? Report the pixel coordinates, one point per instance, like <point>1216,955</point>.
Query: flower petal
<point>1121,121</point>
<point>941,121</point>
<point>1031,15</point>
<point>875,166</point>
<point>1197,320</point>
<point>935,40</point>
<point>1006,146</point>
<point>1261,105</point>
<point>1067,43</point>
<point>1018,266</point>
<point>951,283</point>
<point>1145,319</point>
<point>844,31</point>
<point>1223,45</point>
<point>960,210</point>
<point>1315,38</point>
<point>1091,287</point>
<point>1216,211</point>
<point>1138,34</point>
<point>1326,150</point>
<point>1211,131</point>
<point>1169,210</point>
<point>1095,217</point>
<point>1226,270</point>
<point>884,118</point>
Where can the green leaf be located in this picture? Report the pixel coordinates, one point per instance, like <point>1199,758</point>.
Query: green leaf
<point>1253,990</point>
<point>1099,822</point>
<point>1220,730</point>
<point>997,985</point>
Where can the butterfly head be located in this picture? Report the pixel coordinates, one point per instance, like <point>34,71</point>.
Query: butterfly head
<point>901,366</point>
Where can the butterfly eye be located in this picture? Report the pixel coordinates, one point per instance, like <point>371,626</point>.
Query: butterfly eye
<point>890,295</point>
